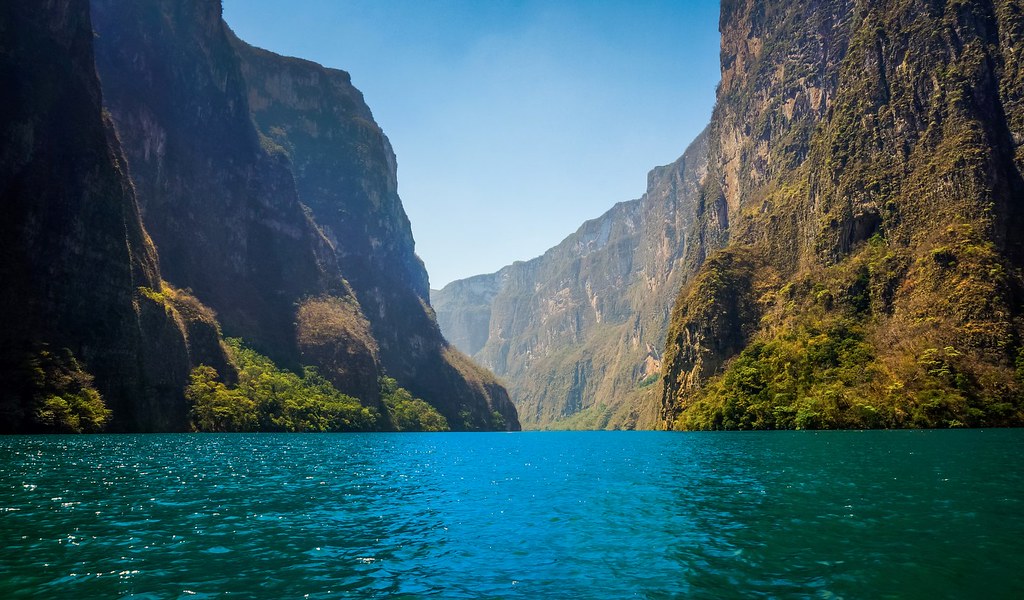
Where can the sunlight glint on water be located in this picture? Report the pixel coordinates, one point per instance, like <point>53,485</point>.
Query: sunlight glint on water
<point>584,515</point>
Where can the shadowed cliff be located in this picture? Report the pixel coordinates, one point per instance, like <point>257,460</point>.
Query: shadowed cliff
<point>78,270</point>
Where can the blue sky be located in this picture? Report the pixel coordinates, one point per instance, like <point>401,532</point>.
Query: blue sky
<point>513,121</point>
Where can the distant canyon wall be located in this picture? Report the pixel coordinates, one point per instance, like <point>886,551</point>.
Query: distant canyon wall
<point>578,332</point>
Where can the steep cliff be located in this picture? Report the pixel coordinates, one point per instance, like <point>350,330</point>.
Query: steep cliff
<point>221,208</point>
<point>346,174</point>
<point>219,201</point>
<point>79,273</point>
<point>578,332</point>
<point>290,227</point>
<point>865,184</point>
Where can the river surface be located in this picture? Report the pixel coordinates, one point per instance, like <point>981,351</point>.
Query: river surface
<point>901,514</point>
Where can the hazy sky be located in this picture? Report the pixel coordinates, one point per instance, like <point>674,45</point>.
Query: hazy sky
<point>513,121</point>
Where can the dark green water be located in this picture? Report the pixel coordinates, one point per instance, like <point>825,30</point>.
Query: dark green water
<point>537,515</point>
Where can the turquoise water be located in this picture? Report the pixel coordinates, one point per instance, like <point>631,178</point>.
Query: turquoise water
<point>531,515</point>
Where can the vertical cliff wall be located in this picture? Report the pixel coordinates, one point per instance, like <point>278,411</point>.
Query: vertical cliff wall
<point>221,207</point>
<point>74,257</point>
<point>346,174</point>
<point>846,250</point>
<point>865,183</point>
<point>272,194</point>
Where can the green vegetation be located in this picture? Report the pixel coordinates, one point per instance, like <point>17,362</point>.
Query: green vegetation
<point>408,413</point>
<point>481,383</point>
<point>267,398</point>
<point>62,399</point>
<point>593,417</point>
<point>802,379</point>
<point>498,422</point>
<point>649,380</point>
<point>182,307</point>
<point>834,352</point>
<point>829,377</point>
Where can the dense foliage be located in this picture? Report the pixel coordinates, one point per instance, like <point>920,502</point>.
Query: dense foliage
<point>267,398</point>
<point>832,354</point>
<point>408,413</point>
<point>59,396</point>
<point>826,378</point>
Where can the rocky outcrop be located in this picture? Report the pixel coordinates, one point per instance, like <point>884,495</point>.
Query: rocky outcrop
<point>578,332</point>
<point>866,156</point>
<point>718,317</point>
<point>80,275</point>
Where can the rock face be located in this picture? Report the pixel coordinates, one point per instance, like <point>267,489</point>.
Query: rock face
<point>346,174</point>
<point>578,332</point>
<point>271,194</point>
<point>865,184</point>
<point>222,209</point>
<point>80,275</point>
<point>844,236</point>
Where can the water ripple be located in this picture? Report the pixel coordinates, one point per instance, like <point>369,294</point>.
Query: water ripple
<point>538,515</point>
